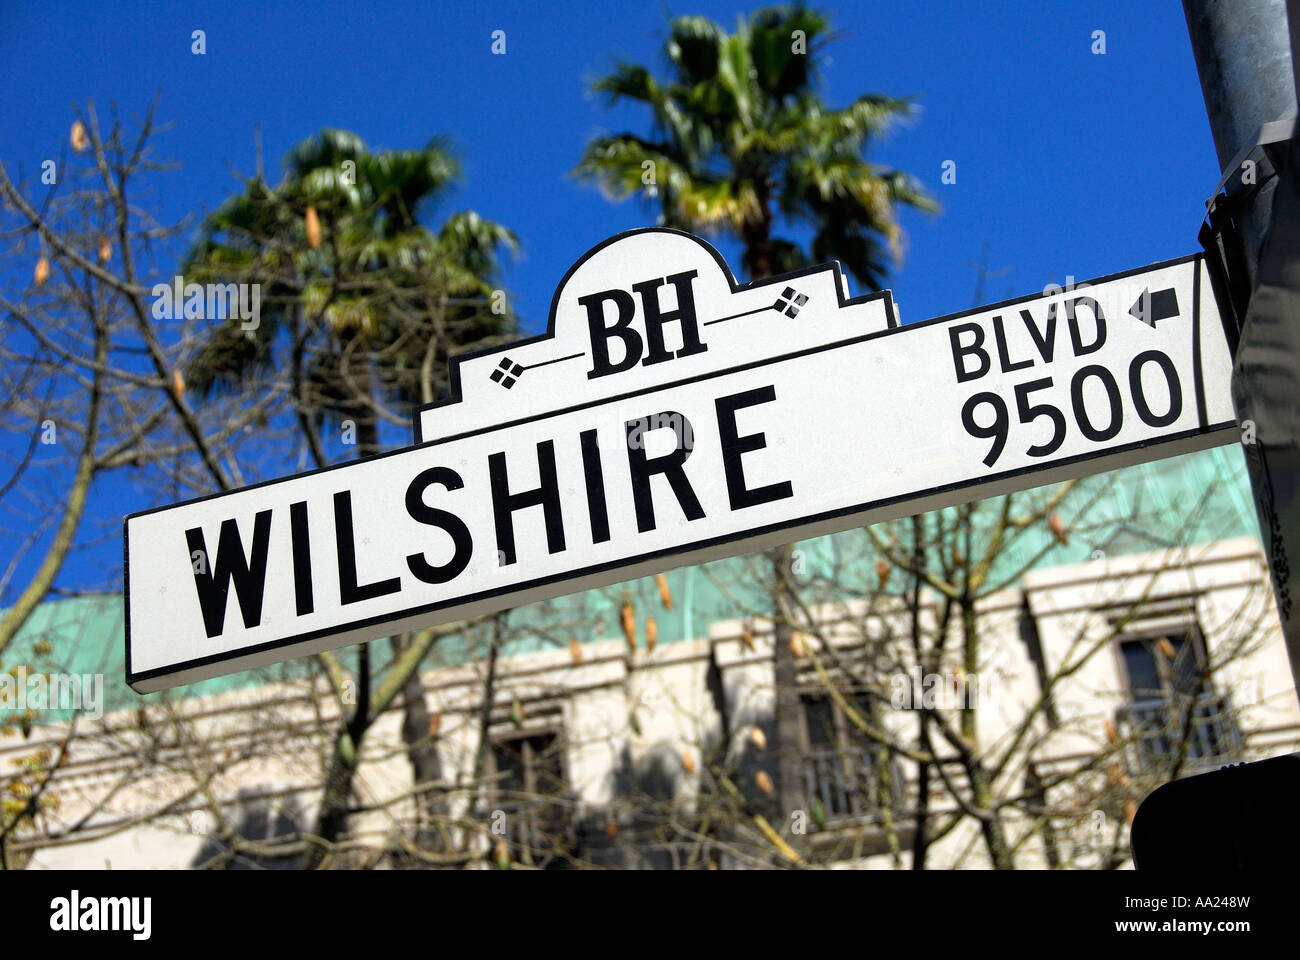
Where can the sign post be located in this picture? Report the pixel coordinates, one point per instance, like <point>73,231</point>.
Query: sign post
<point>1245,59</point>
<point>671,416</point>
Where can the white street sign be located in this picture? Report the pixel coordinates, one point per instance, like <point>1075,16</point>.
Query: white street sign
<point>670,416</point>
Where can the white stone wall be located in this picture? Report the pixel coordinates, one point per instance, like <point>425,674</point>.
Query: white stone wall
<point>652,714</point>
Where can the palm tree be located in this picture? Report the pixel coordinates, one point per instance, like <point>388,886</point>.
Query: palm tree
<point>361,304</point>
<point>741,144</point>
<point>359,298</point>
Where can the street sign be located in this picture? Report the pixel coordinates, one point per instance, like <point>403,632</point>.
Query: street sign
<point>671,416</point>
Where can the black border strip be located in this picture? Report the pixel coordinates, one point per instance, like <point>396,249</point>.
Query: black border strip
<point>1201,414</point>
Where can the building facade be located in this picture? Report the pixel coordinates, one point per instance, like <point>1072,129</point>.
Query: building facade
<point>1096,681</point>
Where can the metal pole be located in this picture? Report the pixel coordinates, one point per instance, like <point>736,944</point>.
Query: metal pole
<point>1248,78</point>
<point>1243,56</point>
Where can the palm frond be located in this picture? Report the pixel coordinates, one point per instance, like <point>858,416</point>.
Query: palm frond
<point>329,148</point>
<point>740,132</point>
<point>370,291</point>
<point>773,34</point>
<point>692,48</point>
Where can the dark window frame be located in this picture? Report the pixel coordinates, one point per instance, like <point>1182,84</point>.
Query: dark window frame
<point>1166,675</point>
<point>861,801</point>
<point>499,739</point>
<point>1212,740</point>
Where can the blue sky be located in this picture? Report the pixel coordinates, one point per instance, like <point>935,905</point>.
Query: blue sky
<point>1067,162</point>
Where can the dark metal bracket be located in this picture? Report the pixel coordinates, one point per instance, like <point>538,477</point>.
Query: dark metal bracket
<point>1220,234</point>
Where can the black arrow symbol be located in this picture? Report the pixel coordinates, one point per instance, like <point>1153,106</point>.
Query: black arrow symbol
<point>1151,307</point>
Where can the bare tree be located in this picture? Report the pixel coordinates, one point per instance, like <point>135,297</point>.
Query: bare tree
<point>287,319</point>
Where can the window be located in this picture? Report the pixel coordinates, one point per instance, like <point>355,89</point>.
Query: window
<point>841,771</point>
<point>1165,665</point>
<point>531,765</point>
<point>528,791</point>
<point>824,723</point>
<point>1171,700</point>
